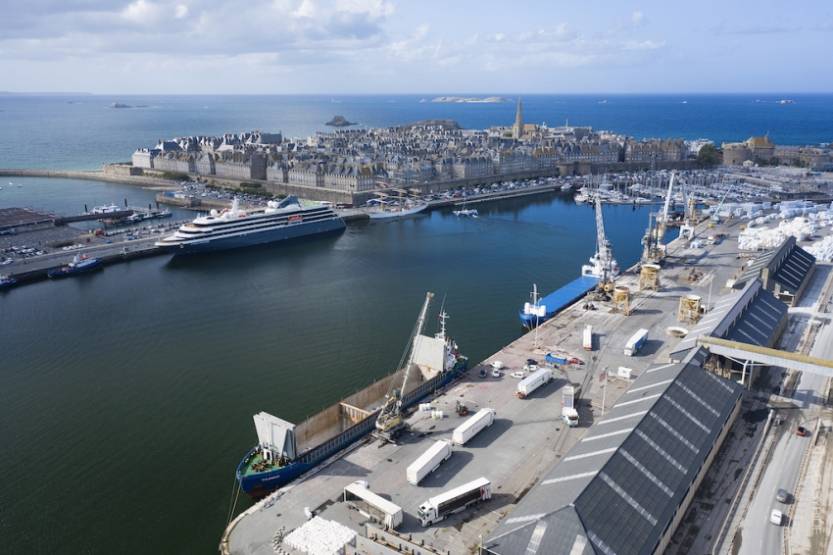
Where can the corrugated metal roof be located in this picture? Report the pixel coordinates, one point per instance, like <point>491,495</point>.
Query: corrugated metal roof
<point>794,269</point>
<point>619,488</point>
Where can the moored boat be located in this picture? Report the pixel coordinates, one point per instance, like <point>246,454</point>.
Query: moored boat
<point>7,281</point>
<point>397,212</point>
<point>285,451</point>
<point>81,264</point>
<point>237,228</point>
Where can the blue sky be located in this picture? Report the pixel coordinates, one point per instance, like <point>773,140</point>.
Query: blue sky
<point>415,46</point>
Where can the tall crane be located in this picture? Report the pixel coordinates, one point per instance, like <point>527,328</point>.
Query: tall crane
<point>390,420</point>
<point>602,264</point>
<point>716,213</point>
<point>653,248</point>
<point>690,221</point>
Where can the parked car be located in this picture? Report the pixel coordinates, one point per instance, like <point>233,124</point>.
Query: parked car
<point>802,431</point>
<point>782,496</point>
<point>776,517</point>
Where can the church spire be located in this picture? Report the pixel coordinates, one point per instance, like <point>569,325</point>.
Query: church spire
<point>518,127</point>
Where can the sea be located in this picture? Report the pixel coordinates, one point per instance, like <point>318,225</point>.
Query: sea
<point>126,397</point>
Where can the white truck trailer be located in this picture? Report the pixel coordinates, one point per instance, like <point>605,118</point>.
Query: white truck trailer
<point>587,338</point>
<point>377,508</point>
<point>471,427</point>
<point>636,342</point>
<point>569,414</point>
<point>532,382</point>
<point>428,461</point>
<point>441,506</point>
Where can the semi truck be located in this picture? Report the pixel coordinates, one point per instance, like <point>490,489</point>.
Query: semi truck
<point>636,342</point>
<point>379,509</point>
<point>428,462</point>
<point>587,338</point>
<point>532,382</point>
<point>569,414</point>
<point>471,427</point>
<point>455,500</point>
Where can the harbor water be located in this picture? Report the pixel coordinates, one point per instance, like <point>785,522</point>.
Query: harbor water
<point>127,395</point>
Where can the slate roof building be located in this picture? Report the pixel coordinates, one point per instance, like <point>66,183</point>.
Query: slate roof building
<point>623,489</point>
<point>785,271</point>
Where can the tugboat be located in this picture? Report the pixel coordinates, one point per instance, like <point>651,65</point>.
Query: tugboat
<point>81,264</point>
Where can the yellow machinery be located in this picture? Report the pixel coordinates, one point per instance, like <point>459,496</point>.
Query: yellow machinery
<point>622,299</point>
<point>689,309</point>
<point>649,277</point>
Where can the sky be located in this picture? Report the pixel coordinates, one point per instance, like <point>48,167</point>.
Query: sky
<point>415,46</point>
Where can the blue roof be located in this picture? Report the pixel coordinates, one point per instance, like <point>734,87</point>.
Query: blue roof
<point>561,298</point>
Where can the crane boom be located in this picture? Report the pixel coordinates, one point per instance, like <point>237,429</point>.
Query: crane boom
<point>663,223</point>
<point>390,420</point>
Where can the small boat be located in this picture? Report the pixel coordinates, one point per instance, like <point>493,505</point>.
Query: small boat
<point>6,281</point>
<point>80,264</point>
<point>567,187</point>
<point>396,213</point>
<point>106,209</point>
<point>466,213</point>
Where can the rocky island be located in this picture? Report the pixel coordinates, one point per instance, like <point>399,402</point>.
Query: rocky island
<point>340,121</point>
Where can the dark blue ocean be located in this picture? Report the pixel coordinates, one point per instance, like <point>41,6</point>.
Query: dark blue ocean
<point>82,132</point>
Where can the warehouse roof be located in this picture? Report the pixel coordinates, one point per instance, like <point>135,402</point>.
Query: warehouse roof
<point>788,266</point>
<point>620,487</point>
<point>752,315</point>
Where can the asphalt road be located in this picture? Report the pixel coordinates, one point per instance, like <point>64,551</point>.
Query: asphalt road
<point>759,536</point>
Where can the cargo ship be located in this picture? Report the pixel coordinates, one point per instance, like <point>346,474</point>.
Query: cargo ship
<point>285,451</point>
<point>81,264</point>
<point>236,228</point>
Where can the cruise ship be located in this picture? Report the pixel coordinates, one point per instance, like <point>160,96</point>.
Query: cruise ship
<point>235,227</point>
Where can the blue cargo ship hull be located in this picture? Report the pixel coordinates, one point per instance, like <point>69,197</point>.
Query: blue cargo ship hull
<point>262,484</point>
<point>558,300</point>
<point>285,233</point>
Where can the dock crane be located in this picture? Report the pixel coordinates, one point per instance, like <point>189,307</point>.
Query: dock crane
<point>690,221</point>
<point>390,420</point>
<point>715,217</point>
<point>602,264</point>
<point>653,249</point>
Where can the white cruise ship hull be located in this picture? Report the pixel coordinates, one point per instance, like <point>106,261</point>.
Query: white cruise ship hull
<point>284,233</point>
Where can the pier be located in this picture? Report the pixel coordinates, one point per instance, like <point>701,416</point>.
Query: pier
<point>528,436</point>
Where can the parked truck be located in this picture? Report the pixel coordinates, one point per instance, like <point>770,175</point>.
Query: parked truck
<point>428,462</point>
<point>471,427</point>
<point>636,342</point>
<point>441,506</point>
<point>587,338</point>
<point>569,414</point>
<point>375,507</point>
<point>532,382</point>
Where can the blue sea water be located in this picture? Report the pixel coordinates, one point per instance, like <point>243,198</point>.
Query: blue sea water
<point>126,396</point>
<point>83,132</point>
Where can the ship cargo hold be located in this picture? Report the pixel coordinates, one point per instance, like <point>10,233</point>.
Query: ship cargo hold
<point>285,450</point>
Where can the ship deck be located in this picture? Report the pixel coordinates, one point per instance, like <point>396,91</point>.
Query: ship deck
<point>527,436</point>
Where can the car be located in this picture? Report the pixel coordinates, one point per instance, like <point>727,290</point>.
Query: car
<point>776,517</point>
<point>496,373</point>
<point>782,496</point>
<point>801,431</point>
<point>518,374</point>
<point>482,372</point>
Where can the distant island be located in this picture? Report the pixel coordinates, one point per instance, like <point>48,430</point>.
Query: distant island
<point>340,121</point>
<point>124,106</point>
<point>469,99</point>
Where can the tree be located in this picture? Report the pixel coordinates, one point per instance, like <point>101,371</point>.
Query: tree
<point>708,157</point>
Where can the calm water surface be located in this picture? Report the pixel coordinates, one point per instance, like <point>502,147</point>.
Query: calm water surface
<point>127,395</point>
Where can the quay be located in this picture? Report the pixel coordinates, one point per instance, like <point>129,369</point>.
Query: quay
<point>529,445</point>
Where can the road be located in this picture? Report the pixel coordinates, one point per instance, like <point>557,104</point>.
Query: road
<point>759,537</point>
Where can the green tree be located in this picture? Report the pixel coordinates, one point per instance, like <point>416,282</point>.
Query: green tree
<point>708,157</point>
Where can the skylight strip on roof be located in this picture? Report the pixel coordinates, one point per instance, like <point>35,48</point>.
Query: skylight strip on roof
<point>625,417</point>
<point>591,454</point>
<point>699,399</point>
<point>667,456</point>
<point>644,387</point>
<point>687,414</point>
<point>674,432</point>
<point>648,474</point>
<point>610,434</point>
<point>568,478</point>
<point>641,399</point>
<point>628,499</point>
